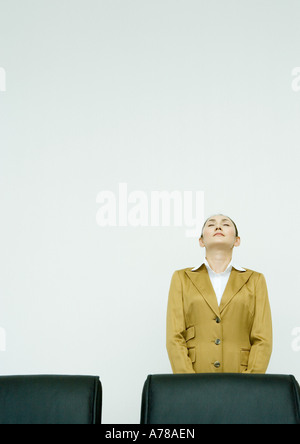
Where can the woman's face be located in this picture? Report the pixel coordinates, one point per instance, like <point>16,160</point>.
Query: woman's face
<point>219,232</point>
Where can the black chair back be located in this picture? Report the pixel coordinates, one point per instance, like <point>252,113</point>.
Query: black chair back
<point>50,400</point>
<point>220,399</point>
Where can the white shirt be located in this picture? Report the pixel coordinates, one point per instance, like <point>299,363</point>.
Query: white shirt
<point>219,280</point>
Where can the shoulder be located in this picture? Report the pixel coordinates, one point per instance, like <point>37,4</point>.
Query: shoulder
<point>256,277</point>
<point>255,273</point>
<point>183,271</point>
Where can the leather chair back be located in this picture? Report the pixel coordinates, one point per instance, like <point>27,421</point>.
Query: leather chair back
<point>220,399</point>
<point>50,400</point>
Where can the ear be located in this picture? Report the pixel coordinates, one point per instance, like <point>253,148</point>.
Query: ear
<point>201,243</point>
<point>237,242</point>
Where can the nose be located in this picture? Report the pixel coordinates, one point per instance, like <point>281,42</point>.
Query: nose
<point>218,230</point>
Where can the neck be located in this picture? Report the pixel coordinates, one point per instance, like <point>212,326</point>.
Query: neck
<point>219,261</point>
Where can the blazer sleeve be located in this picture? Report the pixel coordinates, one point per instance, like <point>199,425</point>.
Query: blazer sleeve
<point>261,336</point>
<point>176,344</point>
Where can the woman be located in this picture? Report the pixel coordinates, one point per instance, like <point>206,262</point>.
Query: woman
<point>219,317</point>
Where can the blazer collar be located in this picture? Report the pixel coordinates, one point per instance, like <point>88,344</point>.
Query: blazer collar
<point>202,282</point>
<point>232,264</point>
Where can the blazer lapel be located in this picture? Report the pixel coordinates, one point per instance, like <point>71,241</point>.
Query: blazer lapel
<point>236,281</point>
<point>202,282</point>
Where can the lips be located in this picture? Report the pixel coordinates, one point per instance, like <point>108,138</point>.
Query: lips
<point>219,234</point>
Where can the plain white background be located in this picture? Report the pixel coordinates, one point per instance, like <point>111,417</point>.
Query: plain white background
<point>162,95</point>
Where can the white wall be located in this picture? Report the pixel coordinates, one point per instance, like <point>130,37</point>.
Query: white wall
<point>183,95</point>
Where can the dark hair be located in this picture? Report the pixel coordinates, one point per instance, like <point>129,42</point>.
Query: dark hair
<point>236,230</point>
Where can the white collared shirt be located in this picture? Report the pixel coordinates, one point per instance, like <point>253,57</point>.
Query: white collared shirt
<point>219,280</point>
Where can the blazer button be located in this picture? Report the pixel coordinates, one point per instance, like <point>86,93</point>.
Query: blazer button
<point>218,341</point>
<point>217,364</point>
<point>218,320</point>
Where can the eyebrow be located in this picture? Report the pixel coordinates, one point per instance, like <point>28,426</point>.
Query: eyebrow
<point>214,220</point>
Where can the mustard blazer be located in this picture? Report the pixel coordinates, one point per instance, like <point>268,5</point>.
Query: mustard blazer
<point>205,338</point>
